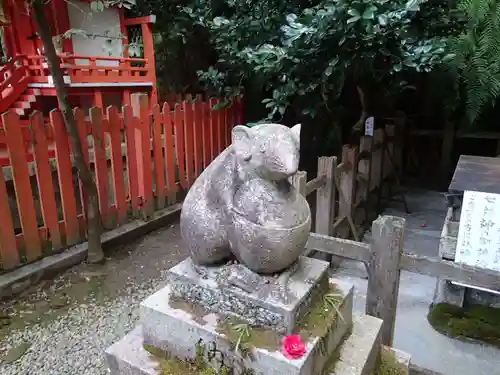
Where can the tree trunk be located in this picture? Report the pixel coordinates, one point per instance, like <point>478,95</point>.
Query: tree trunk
<point>359,126</point>
<point>94,225</point>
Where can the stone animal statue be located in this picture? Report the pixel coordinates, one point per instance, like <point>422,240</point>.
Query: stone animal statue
<point>243,204</point>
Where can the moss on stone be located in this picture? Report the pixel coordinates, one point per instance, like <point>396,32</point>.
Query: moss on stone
<point>389,365</point>
<point>322,314</point>
<point>246,338</point>
<point>174,366</point>
<point>475,322</point>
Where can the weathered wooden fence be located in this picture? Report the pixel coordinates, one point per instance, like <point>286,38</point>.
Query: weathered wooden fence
<point>355,187</point>
<point>385,256</point>
<point>141,158</point>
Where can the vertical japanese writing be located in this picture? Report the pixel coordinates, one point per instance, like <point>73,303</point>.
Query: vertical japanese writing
<point>467,218</point>
<point>479,235</point>
<point>487,229</point>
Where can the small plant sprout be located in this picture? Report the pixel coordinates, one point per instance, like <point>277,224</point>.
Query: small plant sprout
<point>332,300</point>
<point>243,331</point>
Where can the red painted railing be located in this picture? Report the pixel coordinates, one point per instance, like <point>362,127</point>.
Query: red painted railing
<point>139,163</point>
<point>13,82</point>
<point>92,69</point>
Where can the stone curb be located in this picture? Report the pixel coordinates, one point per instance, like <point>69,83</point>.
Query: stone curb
<point>14,282</point>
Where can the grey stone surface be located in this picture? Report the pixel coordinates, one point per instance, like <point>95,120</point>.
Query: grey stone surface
<point>360,351</point>
<point>446,292</point>
<point>243,203</point>
<point>177,332</point>
<point>263,306</point>
<point>128,356</point>
<point>357,354</point>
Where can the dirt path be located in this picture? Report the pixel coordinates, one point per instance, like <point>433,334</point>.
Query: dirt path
<point>64,325</point>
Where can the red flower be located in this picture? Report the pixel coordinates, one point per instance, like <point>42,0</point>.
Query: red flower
<point>293,347</point>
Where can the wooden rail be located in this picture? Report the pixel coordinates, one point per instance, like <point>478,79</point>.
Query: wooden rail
<point>13,82</point>
<point>345,189</point>
<point>384,257</point>
<point>91,69</point>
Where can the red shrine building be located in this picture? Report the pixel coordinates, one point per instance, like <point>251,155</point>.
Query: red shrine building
<point>105,59</point>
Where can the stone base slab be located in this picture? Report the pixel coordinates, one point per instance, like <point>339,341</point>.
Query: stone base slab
<point>172,329</point>
<point>360,353</point>
<point>446,292</point>
<point>262,304</point>
<point>357,355</point>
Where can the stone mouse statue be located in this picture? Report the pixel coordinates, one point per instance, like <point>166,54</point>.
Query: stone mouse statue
<point>269,152</point>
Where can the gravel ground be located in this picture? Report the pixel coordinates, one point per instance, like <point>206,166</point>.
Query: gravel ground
<point>63,326</point>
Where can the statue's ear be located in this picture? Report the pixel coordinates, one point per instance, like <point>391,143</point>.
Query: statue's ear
<point>242,142</point>
<point>296,131</point>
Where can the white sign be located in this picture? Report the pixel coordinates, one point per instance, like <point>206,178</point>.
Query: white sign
<point>369,124</point>
<point>478,242</point>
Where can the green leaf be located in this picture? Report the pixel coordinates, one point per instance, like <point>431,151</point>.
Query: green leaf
<point>329,71</point>
<point>382,19</point>
<point>413,5</point>
<point>291,18</point>
<point>353,12</point>
<point>369,13</point>
<point>353,19</point>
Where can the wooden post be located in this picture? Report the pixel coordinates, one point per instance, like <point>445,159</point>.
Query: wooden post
<point>390,132</point>
<point>384,271</point>
<point>447,148</point>
<point>364,173</point>
<point>325,201</point>
<point>140,108</point>
<point>347,180</point>
<point>378,144</point>
<point>347,187</point>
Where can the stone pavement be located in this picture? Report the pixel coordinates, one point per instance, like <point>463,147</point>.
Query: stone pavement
<point>414,335</point>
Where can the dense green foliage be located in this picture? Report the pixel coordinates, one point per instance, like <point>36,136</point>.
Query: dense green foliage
<point>477,51</point>
<point>315,60</point>
<point>303,53</point>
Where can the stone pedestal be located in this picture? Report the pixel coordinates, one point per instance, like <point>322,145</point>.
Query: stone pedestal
<point>200,315</point>
<point>169,327</point>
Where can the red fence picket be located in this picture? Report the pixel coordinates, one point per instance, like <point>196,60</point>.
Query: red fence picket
<point>139,158</point>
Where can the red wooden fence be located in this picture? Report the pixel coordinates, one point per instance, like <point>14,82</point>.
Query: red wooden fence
<point>140,159</point>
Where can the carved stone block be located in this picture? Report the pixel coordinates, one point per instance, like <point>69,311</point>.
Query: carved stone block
<point>238,292</point>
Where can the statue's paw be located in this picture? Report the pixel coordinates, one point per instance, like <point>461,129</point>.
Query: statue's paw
<point>200,271</point>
